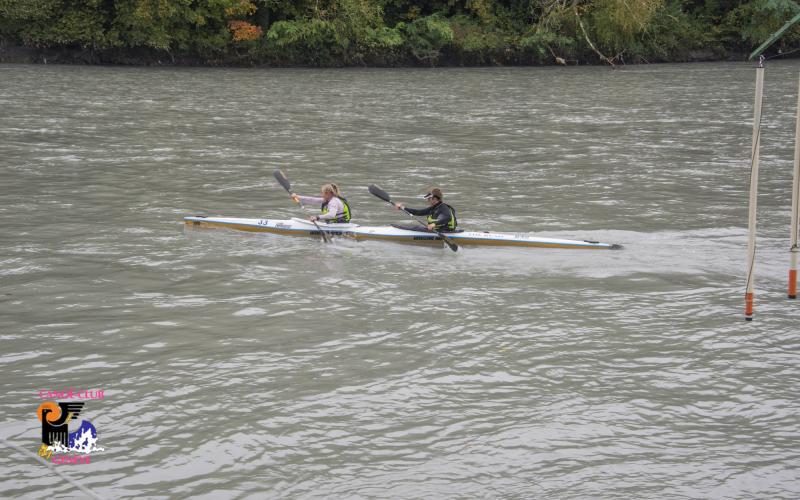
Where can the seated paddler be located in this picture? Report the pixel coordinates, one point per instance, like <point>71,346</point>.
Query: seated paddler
<point>441,216</point>
<point>333,206</point>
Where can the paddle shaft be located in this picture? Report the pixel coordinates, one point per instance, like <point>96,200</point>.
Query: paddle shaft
<point>321,232</point>
<point>283,181</point>
<point>383,195</point>
<point>450,243</point>
<point>413,217</point>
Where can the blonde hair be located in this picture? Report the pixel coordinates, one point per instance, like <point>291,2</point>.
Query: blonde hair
<point>332,189</point>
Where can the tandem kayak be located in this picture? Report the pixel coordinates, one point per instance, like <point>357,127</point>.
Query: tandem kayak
<point>300,227</point>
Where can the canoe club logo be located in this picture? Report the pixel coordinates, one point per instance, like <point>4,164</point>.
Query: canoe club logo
<point>62,442</point>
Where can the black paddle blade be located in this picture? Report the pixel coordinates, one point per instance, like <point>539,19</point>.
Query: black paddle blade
<point>380,193</point>
<point>449,243</point>
<point>282,180</point>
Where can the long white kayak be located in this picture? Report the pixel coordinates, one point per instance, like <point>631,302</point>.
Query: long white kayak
<point>300,227</point>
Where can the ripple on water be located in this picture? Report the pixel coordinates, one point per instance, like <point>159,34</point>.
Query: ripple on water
<point>246,365</point>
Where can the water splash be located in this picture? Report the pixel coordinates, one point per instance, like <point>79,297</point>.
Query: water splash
<point>83,440</point>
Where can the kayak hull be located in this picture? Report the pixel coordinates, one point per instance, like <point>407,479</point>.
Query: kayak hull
<point>299,227</point>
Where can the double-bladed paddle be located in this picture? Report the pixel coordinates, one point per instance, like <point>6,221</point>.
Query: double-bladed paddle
<point>283,181</point>
<point>380,193</point>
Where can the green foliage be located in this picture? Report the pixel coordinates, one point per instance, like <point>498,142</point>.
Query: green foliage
<point>427,36</point>
<point>671,36</point>
<point>331,33</point>
<point>383,38</point>
<point>755,21</point>
<point>15,16</point>
<point>476,44</point>
<point>618,24</point>
<point>154,24</point>
<point>543,44</point>
<point>28,11</point>
<point>43,23</point>
<point>400,32</point>
<point>309,42</point>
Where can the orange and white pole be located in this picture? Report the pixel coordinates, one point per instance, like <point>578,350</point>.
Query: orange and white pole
<point>795,208</point>
<point>751,226</point>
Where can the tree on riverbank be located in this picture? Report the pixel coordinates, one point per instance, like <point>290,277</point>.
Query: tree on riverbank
<point>393,32</point>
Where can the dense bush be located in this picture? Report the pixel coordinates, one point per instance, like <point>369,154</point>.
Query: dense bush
<point>396,32</point>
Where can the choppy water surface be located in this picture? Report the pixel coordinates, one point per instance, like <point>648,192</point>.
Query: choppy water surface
<point>236,365</point>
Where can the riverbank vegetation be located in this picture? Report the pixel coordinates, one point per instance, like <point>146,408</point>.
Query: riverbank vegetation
<point>390,32</point>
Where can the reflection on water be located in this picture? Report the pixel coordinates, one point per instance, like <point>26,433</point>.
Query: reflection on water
<point>235,364</point>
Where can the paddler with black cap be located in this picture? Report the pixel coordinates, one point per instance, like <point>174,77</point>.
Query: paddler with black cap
<point>441,216</point>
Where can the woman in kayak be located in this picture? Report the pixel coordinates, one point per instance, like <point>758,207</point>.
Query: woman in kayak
<point>441,216</point>
<point>333,206</point>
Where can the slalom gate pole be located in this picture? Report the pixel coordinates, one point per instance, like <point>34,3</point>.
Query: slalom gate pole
<point>795,208</point>
<point>751,226</point>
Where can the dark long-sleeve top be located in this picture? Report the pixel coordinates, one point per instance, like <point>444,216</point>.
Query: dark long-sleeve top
<point>440,213</point>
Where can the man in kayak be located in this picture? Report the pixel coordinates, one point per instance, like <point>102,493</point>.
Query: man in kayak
<point>333,206</point>
<point>441,216</point>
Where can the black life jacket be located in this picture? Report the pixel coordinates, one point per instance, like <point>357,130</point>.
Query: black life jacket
<point>451,224</point>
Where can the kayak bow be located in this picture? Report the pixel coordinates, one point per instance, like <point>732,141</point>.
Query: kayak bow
<point>300,227</point>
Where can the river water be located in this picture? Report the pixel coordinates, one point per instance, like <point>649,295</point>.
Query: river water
<point>242,365</point>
